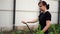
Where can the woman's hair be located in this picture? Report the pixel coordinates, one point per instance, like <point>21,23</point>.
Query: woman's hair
<point>44,4</point>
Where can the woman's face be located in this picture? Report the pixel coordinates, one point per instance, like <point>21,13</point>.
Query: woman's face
<point>41,7</point>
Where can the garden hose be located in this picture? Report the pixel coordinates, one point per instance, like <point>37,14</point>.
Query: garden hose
<point>29,28</point>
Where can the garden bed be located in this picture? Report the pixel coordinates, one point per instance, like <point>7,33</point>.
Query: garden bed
<point>54,29</point>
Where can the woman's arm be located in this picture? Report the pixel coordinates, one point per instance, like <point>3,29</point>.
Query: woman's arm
<point>47,25</point>
<point>31,21</point>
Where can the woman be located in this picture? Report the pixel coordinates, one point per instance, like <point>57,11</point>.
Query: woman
<point>44,17</point>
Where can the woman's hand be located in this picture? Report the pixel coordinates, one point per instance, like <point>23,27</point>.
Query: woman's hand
<point>24,21</point>
<point>42,32</point>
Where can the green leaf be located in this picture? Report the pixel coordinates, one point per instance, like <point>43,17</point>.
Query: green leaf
<point>51,32</point>
<point>12,32</point>
<point>1,33</point>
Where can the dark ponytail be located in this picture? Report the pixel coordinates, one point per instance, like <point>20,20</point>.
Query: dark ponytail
<point>47,6</point>
<point>44,4</point>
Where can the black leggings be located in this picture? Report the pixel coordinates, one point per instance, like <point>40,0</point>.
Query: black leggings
<point>46,32</point>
